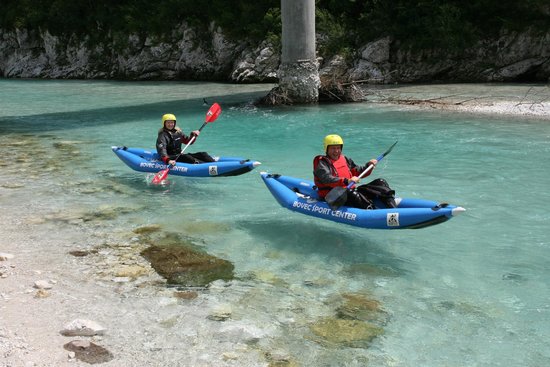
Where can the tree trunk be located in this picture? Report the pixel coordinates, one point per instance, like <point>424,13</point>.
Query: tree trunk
<point>298,73</point>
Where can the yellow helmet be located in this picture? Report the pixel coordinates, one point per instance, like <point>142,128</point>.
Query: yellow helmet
<point>333,140</point>
<point>168,116</point>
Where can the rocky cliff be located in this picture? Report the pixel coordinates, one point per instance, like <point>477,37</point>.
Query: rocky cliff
<point>186,55</point>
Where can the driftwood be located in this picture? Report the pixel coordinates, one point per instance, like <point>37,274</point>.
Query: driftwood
<point>275,97</point>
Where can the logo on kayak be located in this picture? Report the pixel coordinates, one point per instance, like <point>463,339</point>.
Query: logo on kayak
<point>323,210</point>
<point>392,219</point>
<point>158,166</point>
<point>213,170</point>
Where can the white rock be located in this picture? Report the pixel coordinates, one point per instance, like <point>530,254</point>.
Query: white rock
<point>221,312</point>
<point>4,256</point>
<point>81,327</point>
<point>42,284</point>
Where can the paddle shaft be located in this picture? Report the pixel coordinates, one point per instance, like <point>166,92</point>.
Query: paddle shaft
<point>370,168</point>
<point>190,142</point>
<point>211,116</point>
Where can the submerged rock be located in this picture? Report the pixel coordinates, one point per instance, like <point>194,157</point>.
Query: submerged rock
<point>349,333</point>
<point>279,358</point>
<point>187,266</point>
<point>147,229</point>
<point>513,277</point>
<point>221,312</point>
<point>269,277</point>
<point>360,307</point>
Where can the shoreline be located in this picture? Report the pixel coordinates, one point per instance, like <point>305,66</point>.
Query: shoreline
<point>530,101</point>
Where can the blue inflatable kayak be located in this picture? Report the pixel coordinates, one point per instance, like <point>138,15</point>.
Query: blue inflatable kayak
<point>300,196</point>
<point>146,161</point>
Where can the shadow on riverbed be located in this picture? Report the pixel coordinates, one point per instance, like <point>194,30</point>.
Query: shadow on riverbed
<point>357,250</point>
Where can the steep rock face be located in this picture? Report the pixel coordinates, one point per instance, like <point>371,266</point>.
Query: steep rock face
<point>514,57</point>
<point>257,65</point>
<point>186,54</point>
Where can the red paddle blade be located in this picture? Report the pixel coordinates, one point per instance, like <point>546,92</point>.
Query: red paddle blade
<point>213,113</point>
<point>160,176</point>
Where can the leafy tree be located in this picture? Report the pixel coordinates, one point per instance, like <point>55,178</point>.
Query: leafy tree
<point>448,24</point>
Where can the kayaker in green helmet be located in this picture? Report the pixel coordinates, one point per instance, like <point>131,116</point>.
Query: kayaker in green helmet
<point>333,169</point>
<point>169,143</point>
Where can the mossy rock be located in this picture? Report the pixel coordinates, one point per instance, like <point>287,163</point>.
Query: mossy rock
<point>349,333</point>
<point>143,230</point>
<point>187,266</point>
<point>360,307</point>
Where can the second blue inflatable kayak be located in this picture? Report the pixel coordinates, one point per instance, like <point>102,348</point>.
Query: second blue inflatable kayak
<point>300,196</point>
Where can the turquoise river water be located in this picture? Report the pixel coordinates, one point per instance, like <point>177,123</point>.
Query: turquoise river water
<point>473,291</point>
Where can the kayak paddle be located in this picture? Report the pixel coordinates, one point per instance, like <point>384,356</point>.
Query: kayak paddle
<point>338,195</point>
<point>211,116</point>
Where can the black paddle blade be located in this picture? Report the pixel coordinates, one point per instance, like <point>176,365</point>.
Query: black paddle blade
<point>337,197</point>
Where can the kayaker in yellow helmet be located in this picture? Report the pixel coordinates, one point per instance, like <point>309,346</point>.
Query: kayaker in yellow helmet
<point>334,169</point>
<point>169,143</point>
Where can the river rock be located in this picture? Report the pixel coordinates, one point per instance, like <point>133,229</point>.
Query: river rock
<point>188,266</point>
<point>360,307</point>
<point>42,284</point>
<point>81,327</point>
<point>221,312</point>
<point>348,333</point>
<point>152,228</point>
<point>88,352</point>
<point>5,256</point>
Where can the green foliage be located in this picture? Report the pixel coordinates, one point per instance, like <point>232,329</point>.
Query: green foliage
<point>345,24</point>
<point>336,37</point>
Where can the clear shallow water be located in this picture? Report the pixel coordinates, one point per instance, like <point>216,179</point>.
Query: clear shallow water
<point>472,291</point>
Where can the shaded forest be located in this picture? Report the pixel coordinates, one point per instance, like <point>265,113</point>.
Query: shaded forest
<point>345,24</point>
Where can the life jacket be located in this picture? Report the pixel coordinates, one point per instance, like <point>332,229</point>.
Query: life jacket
<point>172,140</point>
<point>338,168</point>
